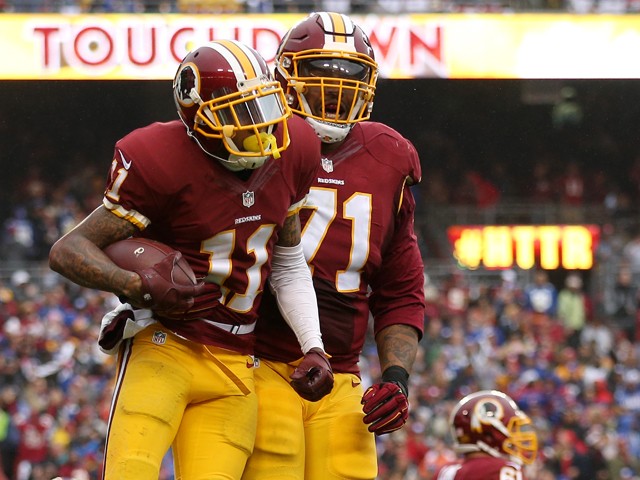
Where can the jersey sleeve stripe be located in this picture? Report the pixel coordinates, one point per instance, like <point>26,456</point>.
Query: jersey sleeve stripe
<point>296,207</point>
<point>132,216</point>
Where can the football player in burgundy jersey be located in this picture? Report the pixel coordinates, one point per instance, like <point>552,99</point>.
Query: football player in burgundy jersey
<point>226,194</point>
<point>495,437</point>
<point>358,238</point>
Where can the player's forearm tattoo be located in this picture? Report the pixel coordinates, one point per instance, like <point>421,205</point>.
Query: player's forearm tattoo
<point>80,257</point>
<point>86,266</point>
<point>104,226</point>
<point>289,234</point>
<point>397,345</point>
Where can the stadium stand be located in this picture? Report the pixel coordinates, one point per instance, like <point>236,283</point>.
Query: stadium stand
<point>582,390</point>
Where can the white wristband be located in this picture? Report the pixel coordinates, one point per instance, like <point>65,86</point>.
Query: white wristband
<point>291,283</point>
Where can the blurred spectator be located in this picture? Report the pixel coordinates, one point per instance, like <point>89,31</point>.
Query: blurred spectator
<point>540,299</point>
<point>209,6</point>
<point>435,458</point>
<point>621,302</point>
<point>339,6</point>
<point>571,192</point>
<point>401,6</point>
<point>9,435</point>
<point>475,189</point>
<point>293,6</point>
<point>567,113</point>
<point>631,254</point>
<point>596,333</point>
<point>19,237</point>
<point>573,308</point>
<point>34,428</point>
<point>541,189</point>
<point>570,459</point>
<point>259,6</point>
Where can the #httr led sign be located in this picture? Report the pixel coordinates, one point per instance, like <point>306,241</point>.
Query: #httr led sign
<point>571,247</point>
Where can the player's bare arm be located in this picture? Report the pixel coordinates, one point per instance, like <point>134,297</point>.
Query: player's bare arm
<point>397,345</point>
<point>290,233</point>
<point>78,254</point>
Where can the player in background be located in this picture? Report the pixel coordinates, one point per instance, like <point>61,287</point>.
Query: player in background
<point>359,241</point>
<point>226,193</point>
<point>495,437</point>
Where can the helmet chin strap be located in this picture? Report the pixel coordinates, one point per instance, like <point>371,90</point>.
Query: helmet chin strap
<point>329,132</point>
<point>224,161</point>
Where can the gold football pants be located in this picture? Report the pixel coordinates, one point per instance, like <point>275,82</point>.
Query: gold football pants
<point>199,400</point>
<point>302,440</point>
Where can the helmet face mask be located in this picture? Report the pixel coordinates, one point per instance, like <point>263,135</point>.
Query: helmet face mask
<point>491,422</point>
<point>334,67</point>
<point>326,66</point>
<point>225,96</point>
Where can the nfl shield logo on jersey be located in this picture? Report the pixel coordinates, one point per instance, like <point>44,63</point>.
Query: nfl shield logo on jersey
<point>159,337</point>
<point>248,198</point>
<point>327,165</point>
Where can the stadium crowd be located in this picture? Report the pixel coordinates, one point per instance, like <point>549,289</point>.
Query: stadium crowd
<point>567,352</point>
<point>572,366</point>
<point>580,384</point>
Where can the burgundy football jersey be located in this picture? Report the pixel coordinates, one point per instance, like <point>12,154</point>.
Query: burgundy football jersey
<point>224,225</point>
<point>481,468</point>
<point>357,234</point>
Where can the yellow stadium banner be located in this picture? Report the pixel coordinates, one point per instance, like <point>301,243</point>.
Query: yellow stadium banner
<point>571,247</point>
<point>457,46</point>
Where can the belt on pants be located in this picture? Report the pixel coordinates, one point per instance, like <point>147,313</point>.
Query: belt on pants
<point>234,329</point>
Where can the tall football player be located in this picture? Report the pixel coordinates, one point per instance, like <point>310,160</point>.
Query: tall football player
<point>495,437</point>
<point>359,241</point>
<point>225,193</point>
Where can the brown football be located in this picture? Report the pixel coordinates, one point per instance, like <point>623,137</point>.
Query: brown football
<point>137,253</point>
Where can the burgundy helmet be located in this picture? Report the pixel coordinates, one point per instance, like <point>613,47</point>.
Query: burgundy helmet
<point>328,51</point>
<point>225,87</point>
<point>490,421</point>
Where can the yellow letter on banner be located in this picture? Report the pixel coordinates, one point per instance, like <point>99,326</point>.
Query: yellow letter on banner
<point>468,248</point>
<point>525,237</point>
<point>498,247</point>
<point>549,247</point>
<point>576,248</point>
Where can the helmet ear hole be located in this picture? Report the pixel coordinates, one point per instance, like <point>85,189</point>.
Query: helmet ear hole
<point>490,421</point>
<point>290,99</point>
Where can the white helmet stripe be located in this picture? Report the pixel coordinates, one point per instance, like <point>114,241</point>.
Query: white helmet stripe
<point>243,61</point>
<point>338,24</point>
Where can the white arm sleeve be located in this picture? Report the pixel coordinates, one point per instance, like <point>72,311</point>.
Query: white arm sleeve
<point>291,283</point>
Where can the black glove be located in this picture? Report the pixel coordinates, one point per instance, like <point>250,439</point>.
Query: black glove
<point>386,404</point>
<point>313,379</point>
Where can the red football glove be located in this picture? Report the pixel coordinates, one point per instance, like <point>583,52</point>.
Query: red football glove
<point>313,379</point>
<point>160,293</point>
<point>386,407</point>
